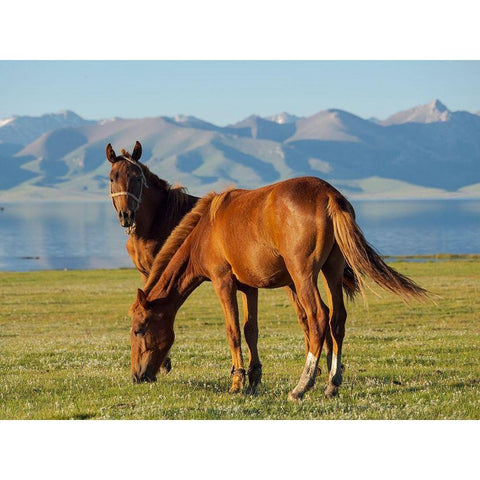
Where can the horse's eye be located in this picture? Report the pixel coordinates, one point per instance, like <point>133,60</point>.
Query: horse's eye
<point>111,180</point>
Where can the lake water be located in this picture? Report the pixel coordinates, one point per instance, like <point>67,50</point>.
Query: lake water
<point>51,236</point>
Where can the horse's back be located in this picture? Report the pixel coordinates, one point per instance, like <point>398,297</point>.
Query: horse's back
<point>266,209</point>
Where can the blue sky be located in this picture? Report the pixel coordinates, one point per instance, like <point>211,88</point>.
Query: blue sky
<point>224,92</point>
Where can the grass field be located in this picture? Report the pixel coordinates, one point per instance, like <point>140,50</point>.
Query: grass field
<point>65,354</point>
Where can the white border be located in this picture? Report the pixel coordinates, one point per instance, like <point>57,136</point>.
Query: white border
<point>251,29</point>
<point>238,449</point>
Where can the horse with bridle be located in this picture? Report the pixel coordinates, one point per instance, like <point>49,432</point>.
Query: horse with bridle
<point>148,207</point>
<point>281,235</point>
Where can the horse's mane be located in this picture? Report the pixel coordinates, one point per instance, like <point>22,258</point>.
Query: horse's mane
<point>176,239</point>
<point>178,202</point>
<point>177,196</point>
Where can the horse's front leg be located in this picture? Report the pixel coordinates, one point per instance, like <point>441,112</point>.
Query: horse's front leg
<point>227,293</point>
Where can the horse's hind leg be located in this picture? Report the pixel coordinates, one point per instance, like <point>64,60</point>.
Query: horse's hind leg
<point>250,330</point>
<point>333,275</point>
<point>317,319</point>
<point>227,293</point>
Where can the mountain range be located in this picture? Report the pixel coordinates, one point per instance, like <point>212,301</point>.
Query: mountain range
<point>425,151</point>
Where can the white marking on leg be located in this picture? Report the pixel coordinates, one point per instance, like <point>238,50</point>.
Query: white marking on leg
<point>336,370</point>
<point>307,379</point>
<point>333,368</point>
<point>311,362</point>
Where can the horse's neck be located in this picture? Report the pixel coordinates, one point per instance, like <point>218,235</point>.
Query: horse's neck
<point>153,200</point>
<point>179,279</point>
<point>160,213</point>
<point>178,204</point>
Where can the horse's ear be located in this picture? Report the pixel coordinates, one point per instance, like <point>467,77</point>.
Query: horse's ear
<point>111,157</point>
<point>142,298</point>
<point>137,152</point>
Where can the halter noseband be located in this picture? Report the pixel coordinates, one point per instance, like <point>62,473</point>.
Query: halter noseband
<point>129,194</point>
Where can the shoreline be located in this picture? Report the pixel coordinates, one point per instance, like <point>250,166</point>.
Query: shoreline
<point>421,258</point>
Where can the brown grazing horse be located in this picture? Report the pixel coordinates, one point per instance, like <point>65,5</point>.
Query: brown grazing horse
<point>280,235</point>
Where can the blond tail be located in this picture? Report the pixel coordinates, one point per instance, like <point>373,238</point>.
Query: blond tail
<point>362,258</point>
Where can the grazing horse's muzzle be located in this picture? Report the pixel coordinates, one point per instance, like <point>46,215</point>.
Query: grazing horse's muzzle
<point>126,217</point>
<point>149,377</point>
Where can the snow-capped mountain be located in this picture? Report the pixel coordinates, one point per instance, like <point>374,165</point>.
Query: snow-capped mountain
<point>425,150</point>
<point>282,118</point>
<point>434,111</point>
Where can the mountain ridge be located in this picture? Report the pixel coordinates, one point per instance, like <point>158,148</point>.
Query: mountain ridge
<point>427,150</point>
<point>434,111</point>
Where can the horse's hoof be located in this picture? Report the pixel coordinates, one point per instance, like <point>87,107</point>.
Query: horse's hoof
<point>238,380</point>
<point>166,366</point>
<point>294,397</point>
<point>331,391</point>
<point>251,390</point>
<point>234,389</point>
<point>254,378</point>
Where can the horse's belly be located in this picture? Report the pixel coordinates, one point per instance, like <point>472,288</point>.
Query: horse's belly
<point>265,273</point>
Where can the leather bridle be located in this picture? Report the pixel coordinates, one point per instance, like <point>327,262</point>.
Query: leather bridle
<point>131,229</point>
<point>127,193</point>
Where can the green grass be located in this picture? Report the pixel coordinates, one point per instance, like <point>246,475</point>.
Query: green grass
<point>65,354</point>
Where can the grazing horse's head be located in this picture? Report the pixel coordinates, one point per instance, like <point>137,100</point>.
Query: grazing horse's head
<point>151,337</point>
<point>126,183</point>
